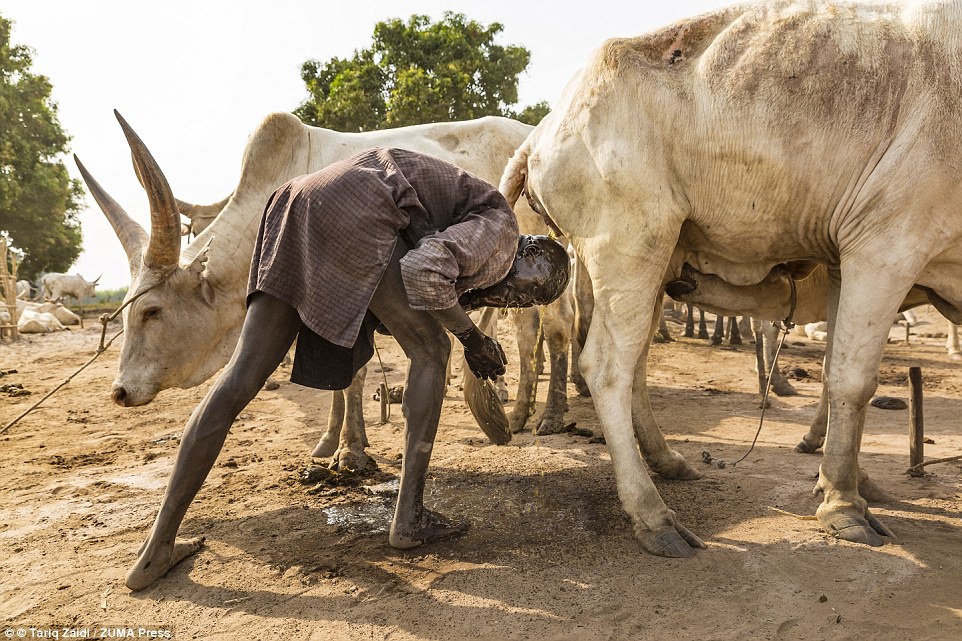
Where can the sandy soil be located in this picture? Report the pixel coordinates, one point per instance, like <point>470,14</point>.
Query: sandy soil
<point>550,554</point>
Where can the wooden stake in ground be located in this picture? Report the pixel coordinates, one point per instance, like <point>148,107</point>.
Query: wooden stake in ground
<point>916,431</point>
<point>384,402</point>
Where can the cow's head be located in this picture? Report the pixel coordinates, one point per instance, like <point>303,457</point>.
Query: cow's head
<point>174,335</point>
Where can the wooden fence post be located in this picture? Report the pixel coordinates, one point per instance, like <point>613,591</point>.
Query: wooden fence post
<point>8,293</point>
<point>916,430</point>
<point>385,401</point>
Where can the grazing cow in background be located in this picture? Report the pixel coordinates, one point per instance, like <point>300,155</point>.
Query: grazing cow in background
<point>180,334</point>
<point>24,290</point>
<point>55,286</point>
<point>753,137</point>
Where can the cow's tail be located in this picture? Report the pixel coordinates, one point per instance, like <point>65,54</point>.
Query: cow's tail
<point>515,174</point>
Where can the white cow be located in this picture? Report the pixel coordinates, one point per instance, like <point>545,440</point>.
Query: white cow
<point>779,133</point>
<point>36,322</point>
<point>24,289</point>
<point>61,313</point>
<point>201,216</point>
<point>55,286</point>
<point>181,333</point>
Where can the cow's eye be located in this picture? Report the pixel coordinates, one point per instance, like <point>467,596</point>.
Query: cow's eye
<point>151,312</point>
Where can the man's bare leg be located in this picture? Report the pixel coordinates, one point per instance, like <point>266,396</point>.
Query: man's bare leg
<point>269,330</point>
<point>425,343</point>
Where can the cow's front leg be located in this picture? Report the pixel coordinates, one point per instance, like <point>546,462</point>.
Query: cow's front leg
<point>335,421</point>
<point>815,437</point>
<point>858,333</point>
<point>616,341</point>
<point>269,330</point>
<point>766,343</point>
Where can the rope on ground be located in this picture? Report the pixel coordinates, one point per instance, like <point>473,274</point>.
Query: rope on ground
<point>786,327</point>
<point>917,469</point>
<point>58,387</point>
<point>800,517</point>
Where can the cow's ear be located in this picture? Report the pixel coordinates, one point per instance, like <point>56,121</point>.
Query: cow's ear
<point>199,263</point>
<point>196,270</point>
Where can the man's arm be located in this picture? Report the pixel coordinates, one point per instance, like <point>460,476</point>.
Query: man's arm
<point>484,355</point>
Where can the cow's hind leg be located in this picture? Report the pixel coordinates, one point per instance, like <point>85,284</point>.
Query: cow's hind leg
<point>815,437</point>
<point>869,292</point>
<point>616,342</point>
<point>557,333</point>
<point>583,301</point>
<point>659,455</point>
<point>952,342</point>
<point>526,322</point>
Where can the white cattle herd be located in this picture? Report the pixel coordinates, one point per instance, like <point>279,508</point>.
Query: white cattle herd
<point>721,157</point>
<point>48,314</point>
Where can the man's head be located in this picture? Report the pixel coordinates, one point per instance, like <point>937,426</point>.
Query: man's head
<point>538,276</point>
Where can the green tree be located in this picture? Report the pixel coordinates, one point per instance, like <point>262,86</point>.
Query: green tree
<point>39,202</point>
<point>418,72</point>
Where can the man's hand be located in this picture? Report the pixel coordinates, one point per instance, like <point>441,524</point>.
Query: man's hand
<point>484,355</point>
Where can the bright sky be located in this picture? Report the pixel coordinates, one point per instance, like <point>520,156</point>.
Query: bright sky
<point>194,77</point>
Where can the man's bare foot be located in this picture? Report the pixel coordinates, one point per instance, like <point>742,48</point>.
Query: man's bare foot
<point>432,527</point>
<point>150,566</point>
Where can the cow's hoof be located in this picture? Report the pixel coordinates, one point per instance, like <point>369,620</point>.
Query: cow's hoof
<point>673,542</point>
<point>807,447</point>
<point>955,356</point>
<point>432,527</point>
<point>348,461</point>
<point>703,335</point>
<point>149,568</point>
<point>517,420</point>
<point>550,425</point>
<point>676,468</point>
<point>784,388</point>
<point>850,526</point>
<point>325,447</point>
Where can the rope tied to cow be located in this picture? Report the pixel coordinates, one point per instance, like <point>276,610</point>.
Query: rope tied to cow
<point>101,348</point>
<point>785,326</point>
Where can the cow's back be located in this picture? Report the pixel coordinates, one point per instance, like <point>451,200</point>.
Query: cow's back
<point>787,115</point>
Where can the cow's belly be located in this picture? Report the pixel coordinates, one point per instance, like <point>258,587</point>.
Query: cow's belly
<point>740,257</point>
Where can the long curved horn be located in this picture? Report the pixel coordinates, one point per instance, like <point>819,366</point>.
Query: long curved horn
<point>132,236</point>
<point>163,249</point>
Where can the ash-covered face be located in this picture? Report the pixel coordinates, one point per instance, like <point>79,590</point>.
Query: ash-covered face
<point>538,276</point>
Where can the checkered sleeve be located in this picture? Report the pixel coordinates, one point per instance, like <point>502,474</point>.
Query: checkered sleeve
<point>476,252</point>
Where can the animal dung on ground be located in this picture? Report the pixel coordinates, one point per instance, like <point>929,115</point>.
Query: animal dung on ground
<point>394,394</point>
<point>889,403</point>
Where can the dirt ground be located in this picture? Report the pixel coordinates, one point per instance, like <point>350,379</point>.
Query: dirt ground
<point>550,554</point>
